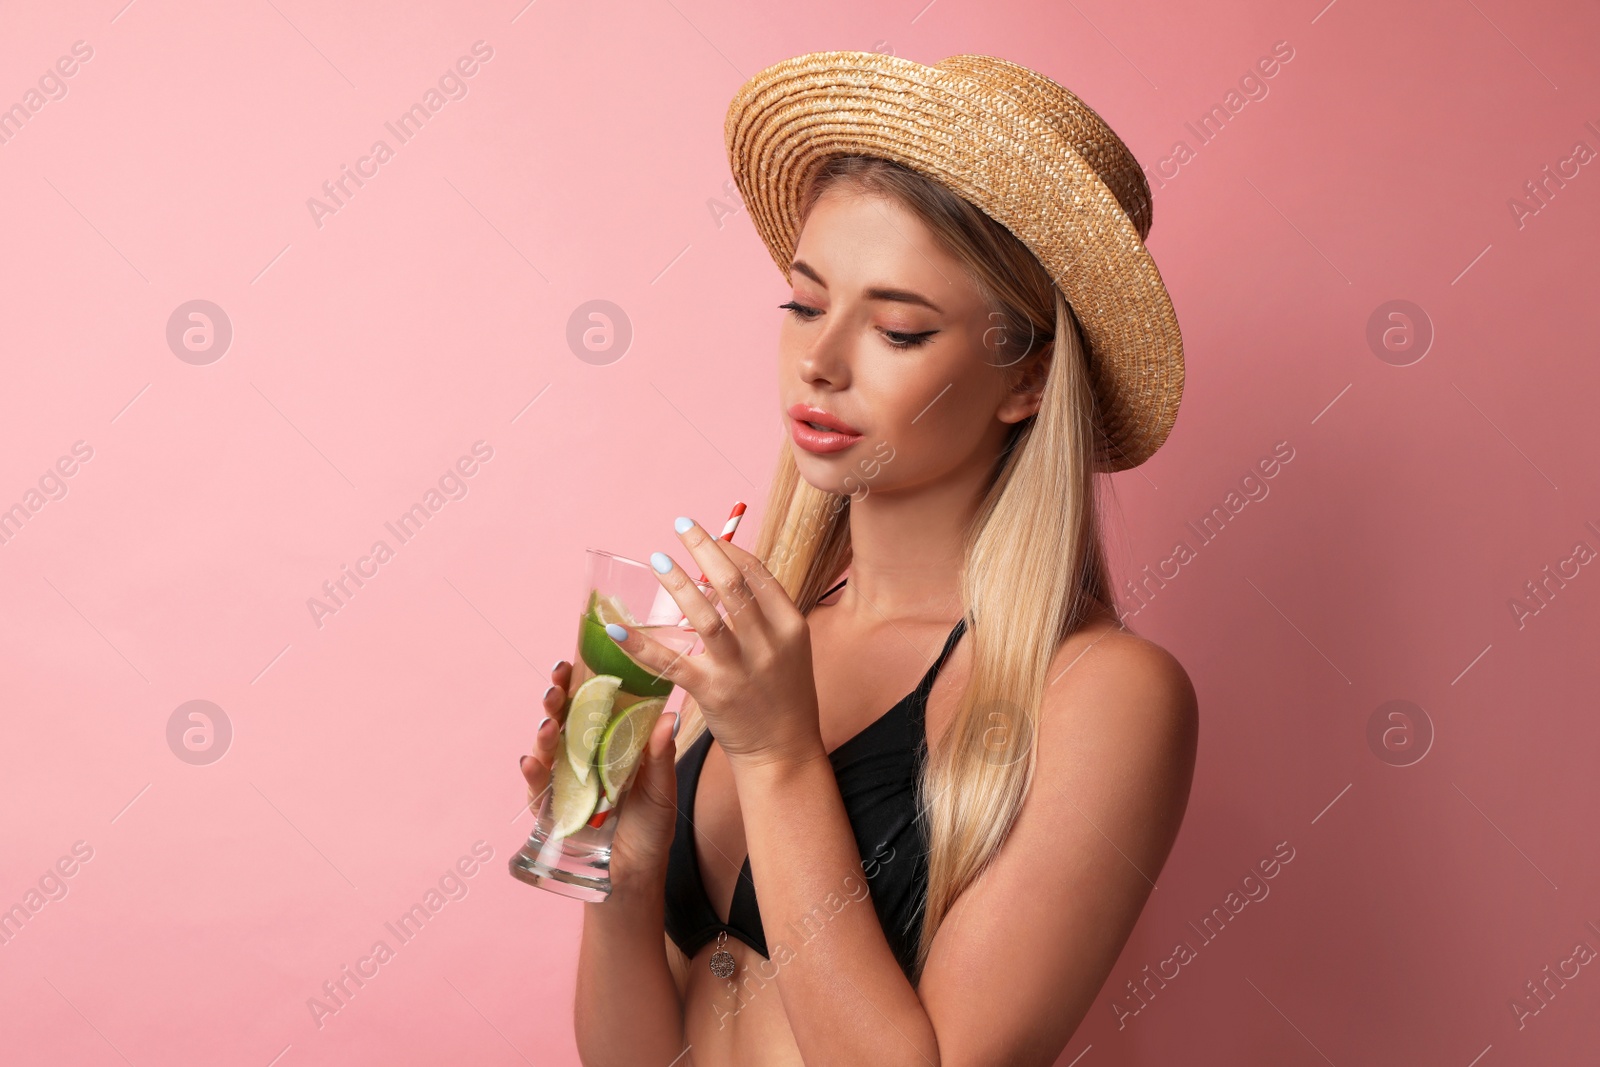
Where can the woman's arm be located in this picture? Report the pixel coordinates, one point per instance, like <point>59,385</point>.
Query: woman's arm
<point>824,939</point>
<point>847,1000</point>
<point>627,1008</point>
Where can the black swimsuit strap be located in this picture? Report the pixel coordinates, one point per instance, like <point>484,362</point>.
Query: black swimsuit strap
<point>949,647</point>
<point>832,591</point>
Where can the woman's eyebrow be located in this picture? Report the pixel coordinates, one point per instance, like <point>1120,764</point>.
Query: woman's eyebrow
<point>903,296</point>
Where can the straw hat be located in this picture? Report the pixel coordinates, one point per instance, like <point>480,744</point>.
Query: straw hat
<point>1017,146</point>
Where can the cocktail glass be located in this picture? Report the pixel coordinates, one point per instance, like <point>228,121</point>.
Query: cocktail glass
<point>612,705</point>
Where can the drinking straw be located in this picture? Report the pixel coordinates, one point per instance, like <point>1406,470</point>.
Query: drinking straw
<point>728,527</point>
<point>727,535</point>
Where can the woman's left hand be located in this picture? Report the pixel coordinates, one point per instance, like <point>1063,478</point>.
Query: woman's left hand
<point>753,682</point>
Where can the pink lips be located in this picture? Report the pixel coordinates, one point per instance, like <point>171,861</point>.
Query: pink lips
<point>839,435</point>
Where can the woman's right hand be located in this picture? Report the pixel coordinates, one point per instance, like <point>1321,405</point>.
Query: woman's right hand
<point>648,814</point>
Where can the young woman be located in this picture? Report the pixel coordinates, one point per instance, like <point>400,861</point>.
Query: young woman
<point>973,336</point>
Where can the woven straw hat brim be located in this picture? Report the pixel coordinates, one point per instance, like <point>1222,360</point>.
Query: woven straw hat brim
<point>1007,140</point>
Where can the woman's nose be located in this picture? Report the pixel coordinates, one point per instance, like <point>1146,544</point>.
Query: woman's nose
<point>825,355</point>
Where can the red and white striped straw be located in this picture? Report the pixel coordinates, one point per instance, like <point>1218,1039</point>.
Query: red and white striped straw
<point>728,527</point>
<point>727,535</point>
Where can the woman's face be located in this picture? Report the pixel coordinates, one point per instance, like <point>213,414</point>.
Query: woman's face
<point>888,334</point>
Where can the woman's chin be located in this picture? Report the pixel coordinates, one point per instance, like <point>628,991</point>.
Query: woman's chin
<point>819,472</point>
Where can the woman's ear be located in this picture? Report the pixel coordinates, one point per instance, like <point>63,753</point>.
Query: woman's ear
<point>1028,392</point>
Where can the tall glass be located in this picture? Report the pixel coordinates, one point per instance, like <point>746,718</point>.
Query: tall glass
<point>613,703</point>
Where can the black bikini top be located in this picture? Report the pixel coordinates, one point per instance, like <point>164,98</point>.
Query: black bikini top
<point>877,772</point>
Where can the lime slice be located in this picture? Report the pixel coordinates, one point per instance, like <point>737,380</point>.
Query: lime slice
<point>606,609</point>
<point>624,741</point>
<point>587,716</point>
<point>605,656</point>
<point>573,800</point>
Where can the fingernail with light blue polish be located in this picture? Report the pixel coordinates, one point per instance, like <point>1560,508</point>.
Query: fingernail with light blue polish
<point>615,632</point>
<point>661,562</point>
<point>683,525</point>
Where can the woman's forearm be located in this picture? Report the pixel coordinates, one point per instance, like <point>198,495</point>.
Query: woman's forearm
<point>847,999</point>
<point>627,1010</point>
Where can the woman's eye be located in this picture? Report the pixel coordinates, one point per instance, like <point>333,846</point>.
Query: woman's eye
<point>895,338</point>
<point>802,311</point>
<point>908,340</point>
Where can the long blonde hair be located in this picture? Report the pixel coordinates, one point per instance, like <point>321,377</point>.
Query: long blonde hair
<point>1034,565</point>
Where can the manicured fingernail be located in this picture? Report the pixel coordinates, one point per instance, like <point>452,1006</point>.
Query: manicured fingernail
<point>615,632</point>
<point>661,562</point>
<point>547,692</point>
<point>676,721</point>
<point>557,667</point>
<point>543,734</point>
<point>683,525</point>
<point>522,763</point>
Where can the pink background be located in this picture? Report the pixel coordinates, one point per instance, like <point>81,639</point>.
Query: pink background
<point>586,162</point>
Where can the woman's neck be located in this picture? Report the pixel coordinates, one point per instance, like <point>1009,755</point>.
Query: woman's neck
<point>906,551</point>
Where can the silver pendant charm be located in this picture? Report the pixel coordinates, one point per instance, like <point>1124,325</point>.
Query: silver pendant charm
<point>722,963</point>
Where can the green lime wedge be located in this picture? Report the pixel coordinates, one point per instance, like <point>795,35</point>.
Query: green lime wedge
<point>573,800</point>
<point>624,741</point>
<point>604,609</point>
<point>587,716</point>
<point>605,656</point>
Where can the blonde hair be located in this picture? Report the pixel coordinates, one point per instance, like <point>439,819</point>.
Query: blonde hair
<point>1034,565</point>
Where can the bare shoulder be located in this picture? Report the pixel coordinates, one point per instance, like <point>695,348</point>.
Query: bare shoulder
<point>1121,717</point>
<point>1106,677</point>
<point>1119,728</point>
